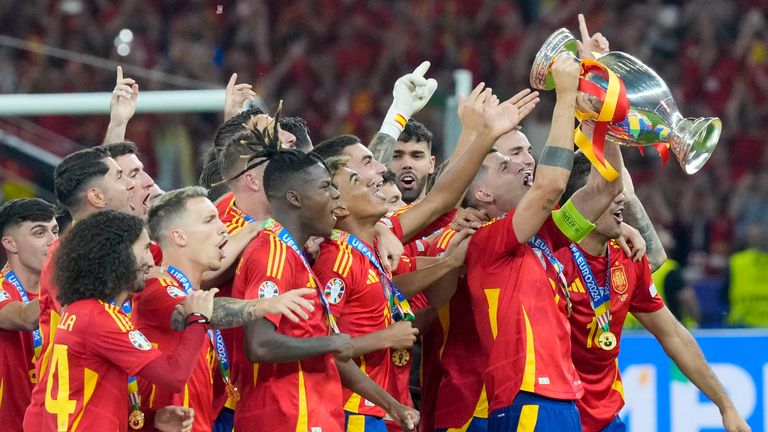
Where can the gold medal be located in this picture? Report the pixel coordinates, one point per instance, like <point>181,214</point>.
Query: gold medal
<point>232,393</point>
<point>136,419</point>
<point>607,341</point>
<point>401,357</point>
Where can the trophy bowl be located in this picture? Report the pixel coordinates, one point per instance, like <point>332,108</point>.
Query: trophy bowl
<point>653,116</point>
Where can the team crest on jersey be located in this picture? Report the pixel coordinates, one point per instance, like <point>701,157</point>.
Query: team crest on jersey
<point>4,296</point>
<point>138,340</point>
<point>268,289</point>
<point>175,292</point>
<point>334,290</point>
<point>619,281</point>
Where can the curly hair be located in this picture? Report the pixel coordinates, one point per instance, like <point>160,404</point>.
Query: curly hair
<point>95,259</point>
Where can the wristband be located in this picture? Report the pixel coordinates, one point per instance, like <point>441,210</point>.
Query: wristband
<point>393,123</point>
<point>572,223</point>
<point>196,318</point>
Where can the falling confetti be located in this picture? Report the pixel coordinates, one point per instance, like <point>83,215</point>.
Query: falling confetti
<point>219,9</point>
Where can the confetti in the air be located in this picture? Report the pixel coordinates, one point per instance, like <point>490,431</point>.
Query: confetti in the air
<point>219,9</point>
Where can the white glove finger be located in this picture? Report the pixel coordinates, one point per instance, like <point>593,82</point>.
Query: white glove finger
<point>417,81</point>
<point>422,69</point>
<point>421,91</point>
<point>431,86</point>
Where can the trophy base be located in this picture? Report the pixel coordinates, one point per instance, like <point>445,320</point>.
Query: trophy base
<point>558,42</point>
<point>695,140</point>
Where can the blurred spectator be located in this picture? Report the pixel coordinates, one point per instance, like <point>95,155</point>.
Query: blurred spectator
<point>748,281</point>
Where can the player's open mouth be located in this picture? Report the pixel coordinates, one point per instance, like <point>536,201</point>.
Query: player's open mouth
<point>145,203</point>
<point>528,178</point>
<point>407,181</point>
<point>618,215</point>
<point>223,243</point>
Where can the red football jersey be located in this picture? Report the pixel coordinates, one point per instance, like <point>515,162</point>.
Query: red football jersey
<point>17,366</point>
<point>393,222</point>
<point>94,351</point>
<point>632,290</point>
<point>152,311</point>
<point>532,349</point>
<point>49,309</point>
<point>298,395</point>
<point>358,301</point>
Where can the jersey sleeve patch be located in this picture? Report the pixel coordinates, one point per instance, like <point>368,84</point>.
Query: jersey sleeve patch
<point>268,289</point>
<point>138,340</point>
<point>334,290</point>
<point>4,296</point>
<point>175,292</point>
<point>654,292</point>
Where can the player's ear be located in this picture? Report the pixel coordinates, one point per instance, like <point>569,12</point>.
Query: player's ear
<point>9,244</point>
<point>178,237</point>
<point>431,164</point>
<point>95,197</point>
<point>483,196</point>
<point>253,184</point>
<point>294,198</point>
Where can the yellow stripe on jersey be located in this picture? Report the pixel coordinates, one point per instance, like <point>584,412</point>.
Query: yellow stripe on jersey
<point>356,423</point>
<point>276,261</point>
<point>255,373</point>
<point>90,379</point>
<point>617,384</point>
<point>444,317</point>
<point>344,260</point>
<point>529,416</point>
<point>353,403</point>
<point>302,423</point>
<point>529,373</point>
<point>445,239</point>
<point>492,295</point>
<point>55,319</point>
<point>120,319</point>
<point>185,402</point>
<point>373,277</point>
<point>481,410</point>
<point>2,387</point>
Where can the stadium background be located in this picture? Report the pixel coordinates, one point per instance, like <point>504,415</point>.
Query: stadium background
<point>333,62</point>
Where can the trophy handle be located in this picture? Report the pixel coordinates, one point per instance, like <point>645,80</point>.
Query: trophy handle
<point>558,42</point>
<point>694,140</point>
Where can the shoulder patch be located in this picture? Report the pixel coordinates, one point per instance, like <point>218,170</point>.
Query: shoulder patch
<point>175,292</point>
<point>334,290</point>
<point>268,289</point>
<point>138,340</point>
<point>4,295</point>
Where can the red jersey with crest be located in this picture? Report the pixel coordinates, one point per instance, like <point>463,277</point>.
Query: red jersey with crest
<point>300,395</point>
<point>532,348</point>
<point>17,365</point>
<point>393,222</point>
<point>152,311</point>
<point>355,291</point>
<point>632,290</point>
<point>94,351</point>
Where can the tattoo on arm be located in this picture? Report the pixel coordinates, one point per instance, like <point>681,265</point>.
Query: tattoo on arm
<point>382,146</point>
<point>549,205</point>
<point>636,216</point>
<point>177,320</point>
<point>557,157</point>
<point>229,312</point>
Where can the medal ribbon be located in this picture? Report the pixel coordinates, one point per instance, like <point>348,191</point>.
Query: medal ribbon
<point>537,243</point>
<point>600,298</point>
<point>133,387</point>
<point>398,304</point>
<point>11,277</point>
<point>217,341</point>
<point>615,108</point>
<point>284,236</point>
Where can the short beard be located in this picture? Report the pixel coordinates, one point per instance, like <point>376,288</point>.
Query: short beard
<point>412,195</point>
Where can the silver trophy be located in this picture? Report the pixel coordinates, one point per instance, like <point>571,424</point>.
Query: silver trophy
<point>653,115</point>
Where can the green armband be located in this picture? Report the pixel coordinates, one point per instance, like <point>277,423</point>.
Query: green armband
<point>572,223</point>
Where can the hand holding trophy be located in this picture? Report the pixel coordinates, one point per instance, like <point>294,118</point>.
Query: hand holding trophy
<point>626,102</point>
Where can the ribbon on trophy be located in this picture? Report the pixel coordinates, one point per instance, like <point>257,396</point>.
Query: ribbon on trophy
<point>637,124</point>
<point>286,238</point>
<point>217,341</point>
<point>599,298</point>
<point>615,108</point>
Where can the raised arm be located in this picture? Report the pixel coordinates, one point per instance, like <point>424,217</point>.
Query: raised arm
<point>636,216</point>
<point>122,106</point>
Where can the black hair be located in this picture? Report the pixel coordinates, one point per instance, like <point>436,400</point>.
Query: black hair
<point>236,124</point>
<point>169,206</point>
<point>287,169</point>
<point>390,177</point>
<point>95,259</point>
<point>121,148</point>
<point>76,171</point>
<point>236,152</point>
<point>298,127</point>
<point>335,146</point>
<point>210,176</point>
<point>578,178</point>
<point>417,132</point>
<point>17,211</point>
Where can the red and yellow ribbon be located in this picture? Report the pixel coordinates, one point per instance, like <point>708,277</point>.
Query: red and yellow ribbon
<point>615,109</point>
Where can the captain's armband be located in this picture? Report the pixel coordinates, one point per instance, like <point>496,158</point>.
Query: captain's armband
<point>572,223</point>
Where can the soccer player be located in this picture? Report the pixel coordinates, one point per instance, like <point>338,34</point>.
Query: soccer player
<point>297,126</point>
<point>412,161</point>
<point>289,374</point>
<point>604,286</point>
<point>393,198</point>
<point>100,263</point>
<point>126,154</point>
<point>186,225</point>
<point>27,227</point>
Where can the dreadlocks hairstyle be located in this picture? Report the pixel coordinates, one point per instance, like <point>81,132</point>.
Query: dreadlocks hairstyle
<point>239,152</point>
<point>15,212</point>
<point>210,176</point>
<point>95,259</point>
<point>121,148</point>
<point>168,207</point>
<point>298,127</point>
<point>335,146</point>
<point>578,178</point>
<point>287,169</point>
<point>417,132</point>
<point>234,125</point>
<point>74,174</point>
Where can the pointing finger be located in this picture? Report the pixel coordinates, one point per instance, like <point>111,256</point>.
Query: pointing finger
<point>232,80</point>
<point>583,28</point>
<point>119,74</point>
<point>422,69</point>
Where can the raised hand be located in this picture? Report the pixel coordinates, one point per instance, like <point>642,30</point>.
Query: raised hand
<point>235,96</point>
<point>597,43</point>
<point>292,304</point>
<point>122,106</point>
<point>565,72</point>
<point>469,218</point>
<point>501,118</point>
<point>471,109</point>
<point>411,93</point>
